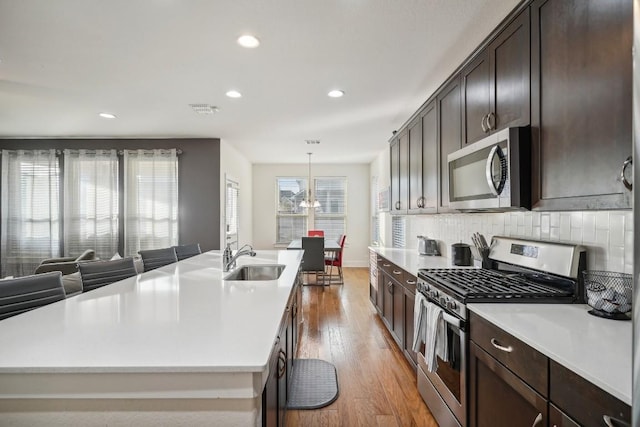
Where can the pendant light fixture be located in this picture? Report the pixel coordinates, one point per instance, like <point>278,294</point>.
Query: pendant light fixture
<point>309,202</point>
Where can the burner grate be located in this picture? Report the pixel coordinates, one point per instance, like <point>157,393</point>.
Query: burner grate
<point>482,285</point>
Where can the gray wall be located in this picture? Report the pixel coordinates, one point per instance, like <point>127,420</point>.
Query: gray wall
<point>199,178</point>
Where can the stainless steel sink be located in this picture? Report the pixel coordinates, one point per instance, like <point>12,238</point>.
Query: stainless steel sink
<point>256,272</point>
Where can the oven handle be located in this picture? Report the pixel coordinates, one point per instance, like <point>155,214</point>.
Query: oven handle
<point>452,320</point>
<point>496,190</point>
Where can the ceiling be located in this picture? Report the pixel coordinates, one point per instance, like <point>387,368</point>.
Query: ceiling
<point>64,61</point>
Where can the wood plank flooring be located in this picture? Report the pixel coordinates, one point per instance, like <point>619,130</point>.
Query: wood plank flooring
<point>377,385</point>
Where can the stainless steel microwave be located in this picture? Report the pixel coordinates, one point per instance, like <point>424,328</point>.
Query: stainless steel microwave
<point>493,174</point>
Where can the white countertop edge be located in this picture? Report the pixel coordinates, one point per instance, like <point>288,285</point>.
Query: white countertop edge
<point>152,385</point>
<point>556,353</point>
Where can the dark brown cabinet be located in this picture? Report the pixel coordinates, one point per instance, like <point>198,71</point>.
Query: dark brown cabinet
<point>415,201</point>
<point>499,398</point>
<point>397,293</point>
<point>581,65</point>
<point>276,389</point>
<point>387,308</point>
<point>449,132</point>
<point>557,418</point>
<point>496,83</point>
<point>409,301</point>
<point>400,173</point>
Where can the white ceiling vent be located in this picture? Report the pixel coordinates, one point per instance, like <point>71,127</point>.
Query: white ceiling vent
<point>204,108</point>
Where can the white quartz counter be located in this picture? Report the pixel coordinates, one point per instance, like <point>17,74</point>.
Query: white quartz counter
<point>595,348</point>
<point>210,337</point>
<point>409,259</point>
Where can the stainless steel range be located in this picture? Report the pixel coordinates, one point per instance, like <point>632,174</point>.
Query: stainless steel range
<point>522,271</point>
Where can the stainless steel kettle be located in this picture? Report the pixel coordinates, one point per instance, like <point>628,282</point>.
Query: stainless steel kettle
<point>428,246</point>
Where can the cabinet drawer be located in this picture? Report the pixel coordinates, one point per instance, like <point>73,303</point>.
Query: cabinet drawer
<point>524,361</point>
<point>391,269</point>
<point>583,401</point>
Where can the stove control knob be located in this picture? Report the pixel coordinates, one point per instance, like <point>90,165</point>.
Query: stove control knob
<point>451,305</point>
<point>443,302</point>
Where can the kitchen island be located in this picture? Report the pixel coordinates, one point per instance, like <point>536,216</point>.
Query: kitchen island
<point>174,346</point>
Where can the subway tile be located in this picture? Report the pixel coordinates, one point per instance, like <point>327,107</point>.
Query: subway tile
<point>576,235</point>
<point>576,219</point>
<point>602,219</point>
<point>628,221</point>
<point>520,216</point>
<point>589,227</point>
<point>545,234</point>
<point>565,221</point>
<point>602,237</point>
<point>628,247</point>
<point>554,234</point>
<point>536,218</point>
<point>616,229</point>
<point>615,259</point>
<point>565,232</point>
<point>521,231</point>
<point>545,222</point>
<point>555,219</point>
<point>535,233</point>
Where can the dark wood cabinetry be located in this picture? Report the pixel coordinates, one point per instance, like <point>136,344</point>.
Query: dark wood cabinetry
<point>557,418</point>
<point>496,83</point>
<point>275,392</point>
<point>449,134</point>
<point>400,173</point>
<point>429,160</point>
<point>415,165</point>
<point>581,67</point>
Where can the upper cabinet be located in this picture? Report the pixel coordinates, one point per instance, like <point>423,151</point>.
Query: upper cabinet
<point>495,84</point>
<point>581,65</point>
<point>423,161</point>
<point>450,133</point>
<point>399,173</point>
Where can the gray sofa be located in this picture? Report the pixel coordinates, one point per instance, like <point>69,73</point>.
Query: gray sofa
<point>67,265</point>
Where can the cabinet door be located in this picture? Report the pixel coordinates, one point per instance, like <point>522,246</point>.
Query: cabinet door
<point>450,134</point>
<point>283,369</point>
<point>380,294</point>
<point>557,418</point>
<point>270,392</point>
<point>510,75</point>
<point>429,127</point>
<point>394,167</point>
<point>387,312</point>
<point>409,301</point>
<point>499,398</point>
<point>403,142</point>
<point>475,91</point>
<point>415,165</point>
<point>398,314</point>
<point>581,67</point>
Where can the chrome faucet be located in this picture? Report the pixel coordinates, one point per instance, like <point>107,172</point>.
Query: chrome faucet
<point>229,260</point>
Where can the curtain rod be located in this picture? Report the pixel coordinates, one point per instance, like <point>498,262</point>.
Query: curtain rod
<point>120,152</point>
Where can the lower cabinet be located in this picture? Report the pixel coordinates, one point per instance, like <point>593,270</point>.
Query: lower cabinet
<point>512,384</point>
<point>276,389</point>
<point>395,299</point>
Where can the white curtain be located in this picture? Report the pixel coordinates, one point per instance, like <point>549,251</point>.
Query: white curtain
<point>151,199</point>
<point>30,229</point>
<point>91,202</point>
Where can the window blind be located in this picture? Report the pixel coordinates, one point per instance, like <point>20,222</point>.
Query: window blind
<point>151,199</point>
<point>231,214</point>
<point>91,202</point>
<point>30,222</point>
<point>398,227</point>
<point>291,219</point>
<point>330,217</point>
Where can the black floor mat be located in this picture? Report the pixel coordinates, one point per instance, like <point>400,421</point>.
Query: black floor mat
<point>314,384</point>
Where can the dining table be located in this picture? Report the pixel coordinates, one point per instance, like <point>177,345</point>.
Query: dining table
<point>330,245</point>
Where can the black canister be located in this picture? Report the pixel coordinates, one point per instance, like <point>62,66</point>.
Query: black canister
<point>461,254</point>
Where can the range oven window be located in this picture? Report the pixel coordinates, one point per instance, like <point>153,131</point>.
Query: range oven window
<point>450,372</point>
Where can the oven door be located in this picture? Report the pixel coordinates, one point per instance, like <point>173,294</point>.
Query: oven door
<point>449,378</point>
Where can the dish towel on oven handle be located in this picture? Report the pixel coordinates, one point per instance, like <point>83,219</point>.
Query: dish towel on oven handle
<point>429,327</point>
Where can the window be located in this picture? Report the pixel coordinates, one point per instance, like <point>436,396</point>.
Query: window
<point>291,219</point>
<point>398,227</point>
<point>375,215</point>
<point>332,214</point>
<point>151,199</point>
<point>91,202</point>
<point>231,214</point>
<point>30,210</point>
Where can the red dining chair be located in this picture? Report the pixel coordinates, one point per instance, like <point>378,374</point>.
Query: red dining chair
<point>335,260</point>
<point>315,233</point>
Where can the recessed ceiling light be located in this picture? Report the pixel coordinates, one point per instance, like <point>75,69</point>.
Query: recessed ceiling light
<point>248,41</point>
<point>234,94</point>
<point>336,93</point>
<point>107,115</point>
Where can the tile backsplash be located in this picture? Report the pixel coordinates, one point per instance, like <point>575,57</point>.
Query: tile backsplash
<point>607,235</point>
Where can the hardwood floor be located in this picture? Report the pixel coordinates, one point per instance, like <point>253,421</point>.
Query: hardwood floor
<point>377,386</point>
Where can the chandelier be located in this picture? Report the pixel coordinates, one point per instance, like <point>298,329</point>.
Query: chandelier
<point>309,202</point>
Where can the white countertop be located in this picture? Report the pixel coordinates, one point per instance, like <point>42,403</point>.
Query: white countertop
<point>180,318</point>
<point>600,350</point>
<point>409,259</point>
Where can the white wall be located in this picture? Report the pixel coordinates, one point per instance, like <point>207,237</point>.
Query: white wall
<point>236,167</point>
<point>357,228</point>
<point>607,235</point>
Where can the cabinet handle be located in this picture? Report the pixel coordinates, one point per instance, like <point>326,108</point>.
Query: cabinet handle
<point>614,422</point>
<point>397,272</point>
<point>508,349</point>
<point>538,420</point>
<point>484,127</point>
<point>411,282</point>
<point>398,205</point>
<point>282,357</point>
<point>628,185</point>
<point>491,126</point>
<point>390,287</point>
<point>386,265</point>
